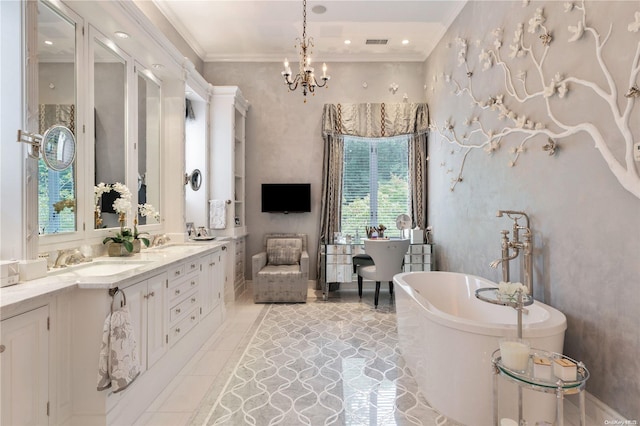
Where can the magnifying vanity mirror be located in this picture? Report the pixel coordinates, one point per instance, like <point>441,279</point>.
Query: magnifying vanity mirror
<point>194,180</point>
<point>57,145</point>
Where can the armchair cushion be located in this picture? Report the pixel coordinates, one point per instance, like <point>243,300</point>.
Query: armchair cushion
<point>284,251</point>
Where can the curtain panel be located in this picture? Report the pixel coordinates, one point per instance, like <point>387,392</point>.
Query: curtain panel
<point>375,120</point>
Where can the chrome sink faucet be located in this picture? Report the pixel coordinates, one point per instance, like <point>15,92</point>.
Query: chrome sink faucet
<point>69,257</point>
<point>515,245</point>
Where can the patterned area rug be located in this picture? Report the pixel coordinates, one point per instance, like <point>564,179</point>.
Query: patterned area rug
<point>320,364</point>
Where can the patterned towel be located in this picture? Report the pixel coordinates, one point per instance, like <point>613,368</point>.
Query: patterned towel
<point>217,214</point>
<point>118,365</point>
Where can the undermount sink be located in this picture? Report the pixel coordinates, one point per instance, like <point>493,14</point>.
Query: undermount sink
<point>103,268</point>
<point>173,248</point>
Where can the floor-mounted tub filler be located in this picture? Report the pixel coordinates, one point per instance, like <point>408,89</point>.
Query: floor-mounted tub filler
<point>447,337</point>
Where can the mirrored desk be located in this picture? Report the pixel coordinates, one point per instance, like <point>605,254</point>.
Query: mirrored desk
<point>336,262</point>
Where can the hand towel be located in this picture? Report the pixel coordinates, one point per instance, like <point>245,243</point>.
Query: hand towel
<point>217,214</point>
<point>118,365</point>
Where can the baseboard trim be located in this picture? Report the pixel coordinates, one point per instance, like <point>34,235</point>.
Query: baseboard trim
<point>597,411</point>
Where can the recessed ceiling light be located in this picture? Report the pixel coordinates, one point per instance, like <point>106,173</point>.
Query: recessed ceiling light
<point>121,34</point>
<point>48,42</point>
<point>319,9</point>
<point>405,41</point>
<point>347,42</point>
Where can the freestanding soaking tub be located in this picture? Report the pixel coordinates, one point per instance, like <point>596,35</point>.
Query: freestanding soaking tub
<point>447,337</point>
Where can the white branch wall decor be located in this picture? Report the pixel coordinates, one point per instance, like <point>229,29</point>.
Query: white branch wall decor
<point>521,62</point>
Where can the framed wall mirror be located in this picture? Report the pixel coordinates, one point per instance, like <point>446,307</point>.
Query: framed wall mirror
<point>148,147</point>
<point>110,123</point>
<point>57,105</point>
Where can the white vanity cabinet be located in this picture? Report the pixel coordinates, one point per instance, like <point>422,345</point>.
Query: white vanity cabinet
<point>24,369</point>
<point>147,305</point>
<point>184,299</point>
<point>212,280</point>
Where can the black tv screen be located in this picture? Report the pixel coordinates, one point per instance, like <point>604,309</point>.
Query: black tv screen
<point>286,197</point>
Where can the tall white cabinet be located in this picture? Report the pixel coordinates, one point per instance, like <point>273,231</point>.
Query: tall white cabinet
<point>24,370</point>
<point>227,180</point>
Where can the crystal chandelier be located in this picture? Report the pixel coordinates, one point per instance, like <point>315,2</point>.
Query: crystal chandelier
<point>305,77</point>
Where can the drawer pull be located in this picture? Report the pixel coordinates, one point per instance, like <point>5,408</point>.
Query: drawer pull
<point>193,266</point>
<point>193,283</point>
<point>2,348</point>
<point>193,317</point>
<point>177,291</point>
<point>212,264</point>
<point>177,331</point>
<point>152,294</point>
<point>146,296</point>
<point>177,273</point>
<point>177,310</point>
<point>193,300</point>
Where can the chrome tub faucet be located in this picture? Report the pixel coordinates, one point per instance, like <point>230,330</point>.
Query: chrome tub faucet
<point>515,245</point>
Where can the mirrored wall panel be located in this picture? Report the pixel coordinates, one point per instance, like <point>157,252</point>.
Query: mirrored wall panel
<point>110,126</point>
<point>57,104</point>
<point>149,115</point>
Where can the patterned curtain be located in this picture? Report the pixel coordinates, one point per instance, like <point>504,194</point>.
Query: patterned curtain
<point>374,121</point>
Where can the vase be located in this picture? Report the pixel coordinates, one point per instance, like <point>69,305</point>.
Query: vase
<point>117,250</point>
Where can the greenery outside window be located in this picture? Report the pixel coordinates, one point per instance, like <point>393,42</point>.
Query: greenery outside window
<point>375,184</point>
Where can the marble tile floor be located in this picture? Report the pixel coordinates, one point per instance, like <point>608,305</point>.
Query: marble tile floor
<point>197,395</point>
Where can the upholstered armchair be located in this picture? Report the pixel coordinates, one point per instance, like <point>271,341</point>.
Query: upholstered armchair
<point>281,272</point>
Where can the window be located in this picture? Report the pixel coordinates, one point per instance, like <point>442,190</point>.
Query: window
<point>375,184</point>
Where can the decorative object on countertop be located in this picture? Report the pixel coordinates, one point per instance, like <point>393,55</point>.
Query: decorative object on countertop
<point>126,241</point>
<point>375,232</point>
<point>508,291</point>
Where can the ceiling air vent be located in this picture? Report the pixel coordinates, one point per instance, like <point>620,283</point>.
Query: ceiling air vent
<point>376,41</point>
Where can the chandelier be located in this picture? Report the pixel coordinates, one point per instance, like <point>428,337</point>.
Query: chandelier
<point>305,77</point>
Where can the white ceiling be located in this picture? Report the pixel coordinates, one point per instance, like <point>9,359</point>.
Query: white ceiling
<point>266,30</point>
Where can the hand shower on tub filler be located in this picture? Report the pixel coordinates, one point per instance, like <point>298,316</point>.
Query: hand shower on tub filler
<point>511,248</point>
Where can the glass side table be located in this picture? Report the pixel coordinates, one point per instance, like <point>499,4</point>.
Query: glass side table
<point>551,384</point>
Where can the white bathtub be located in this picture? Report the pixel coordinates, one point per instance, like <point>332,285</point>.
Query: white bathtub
<point>447,337</point>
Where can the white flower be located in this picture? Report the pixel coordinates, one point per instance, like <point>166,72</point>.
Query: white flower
<point>577,31</point>
<point>497,44</point>
<point>511,164</point>
<point>148,210</point>
<point>510,289</point>
<point>98,190</point>
<point>485,58</point>
<point>447,78</point>
<point>528,125</point>
<point>537,20</point>
<point>562,89</point>
<point>520,121</point>
<point>122,205</point>
<point>539,126</point>
<point>550,89</point>
<point>634,27</point>
<point>511,115</point>
<point>497,33</point>
<point>513,150</point>
<point>525,3</point>
<point>568,6</point>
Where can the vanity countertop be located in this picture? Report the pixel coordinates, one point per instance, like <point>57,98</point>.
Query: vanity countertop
<point>143,265</point>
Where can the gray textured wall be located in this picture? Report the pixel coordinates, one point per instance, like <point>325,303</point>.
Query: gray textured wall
<point>284,141</point>
<point>587,233</point>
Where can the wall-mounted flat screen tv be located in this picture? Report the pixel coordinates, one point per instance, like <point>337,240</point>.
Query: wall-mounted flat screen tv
<point>286,197</point>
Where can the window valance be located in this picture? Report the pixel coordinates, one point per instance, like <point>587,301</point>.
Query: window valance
<point>374,120</point>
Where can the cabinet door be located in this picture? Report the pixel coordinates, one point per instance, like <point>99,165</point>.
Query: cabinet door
<point>24,371</point>
<point>137,304</point>
<point>156,318</point>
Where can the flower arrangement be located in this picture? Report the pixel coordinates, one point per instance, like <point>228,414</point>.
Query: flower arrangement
<point>122,205</point>
<point>508,291</point>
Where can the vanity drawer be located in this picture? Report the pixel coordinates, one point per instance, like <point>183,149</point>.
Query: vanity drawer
<point>183,326</point>
<point>176,273</point>
<point>180,288</point>
<point>192,266</point>
<point>183,307</point>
